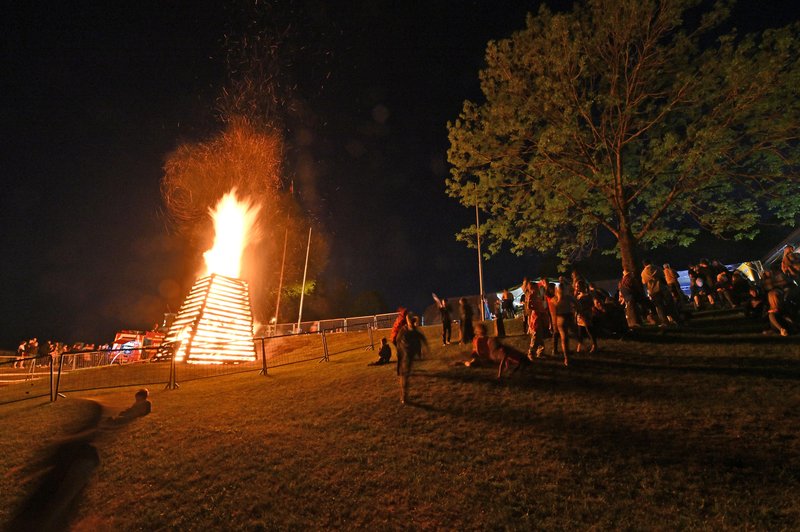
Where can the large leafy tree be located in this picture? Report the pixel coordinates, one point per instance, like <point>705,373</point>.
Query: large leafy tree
<point>638,119</point>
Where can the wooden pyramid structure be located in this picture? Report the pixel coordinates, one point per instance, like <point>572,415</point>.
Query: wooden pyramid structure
<point>213,326</point>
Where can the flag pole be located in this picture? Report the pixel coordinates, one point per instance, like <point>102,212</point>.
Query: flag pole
<point>480,261</point>
<point>303,291</point>
<point>283,260</point>
<point>283,263</point>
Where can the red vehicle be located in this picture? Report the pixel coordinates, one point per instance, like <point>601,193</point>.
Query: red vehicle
<point>131,346</point>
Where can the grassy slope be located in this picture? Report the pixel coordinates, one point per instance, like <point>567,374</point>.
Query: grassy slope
<point>656,435</point>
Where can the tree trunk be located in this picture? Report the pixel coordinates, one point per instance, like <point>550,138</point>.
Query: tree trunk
<point>630,262</point>
<point>628,251</point>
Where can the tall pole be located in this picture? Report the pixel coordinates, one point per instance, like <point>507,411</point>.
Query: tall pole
<point>303,291</point>
<point>480,260</point>
<point>283,262</point>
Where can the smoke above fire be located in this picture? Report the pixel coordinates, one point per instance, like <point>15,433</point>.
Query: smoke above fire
<point>240,158</point>
<point>198,174</point>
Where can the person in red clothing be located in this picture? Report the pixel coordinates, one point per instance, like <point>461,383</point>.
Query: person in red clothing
<point>400,323</point>
<point>480,355</point>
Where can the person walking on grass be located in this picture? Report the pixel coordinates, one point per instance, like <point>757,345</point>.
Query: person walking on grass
<point>499,323</point>
<point>447,321</point>
<point>399,325</point>
<point>19,362</point>
<point>652,281</point>
<point>566,308</point>
<point>550,300</point>
<point>539,321</point>
<point>523,299</point>
<point>583,316</point>
<point>410,345</point>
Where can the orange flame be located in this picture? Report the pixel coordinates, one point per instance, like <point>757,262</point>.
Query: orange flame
<point>234,223</point>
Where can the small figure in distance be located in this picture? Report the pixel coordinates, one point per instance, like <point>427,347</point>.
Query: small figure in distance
<point>140,408</point>
<point>384,354</point>
<point>447,320</point>
<point>508,357</point>
<point>499,324</point>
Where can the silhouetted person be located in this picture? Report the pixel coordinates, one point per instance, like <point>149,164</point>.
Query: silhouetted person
<point>467,331</point>
<point>410,344</point>
<point>447,321</point>
<point>499,324</point>
<point>140,408</point>
<point>384,354</point>
<point>508,357</point>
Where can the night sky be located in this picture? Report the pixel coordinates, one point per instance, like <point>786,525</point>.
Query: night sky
<point>96,94</point>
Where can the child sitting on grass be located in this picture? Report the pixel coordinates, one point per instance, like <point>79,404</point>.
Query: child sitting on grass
<point>384,355</point>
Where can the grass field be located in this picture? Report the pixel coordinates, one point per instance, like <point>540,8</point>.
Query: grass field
<point>684,429</point>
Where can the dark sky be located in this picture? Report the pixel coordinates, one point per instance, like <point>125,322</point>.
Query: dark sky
<point>96,94</point>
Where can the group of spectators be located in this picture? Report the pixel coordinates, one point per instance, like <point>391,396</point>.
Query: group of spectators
<point>32,349</point>
<point>575,308</point>
<point>557,312</point>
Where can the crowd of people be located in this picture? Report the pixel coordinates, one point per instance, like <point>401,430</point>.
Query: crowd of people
<point>574,308</point>
<point>40,353</point>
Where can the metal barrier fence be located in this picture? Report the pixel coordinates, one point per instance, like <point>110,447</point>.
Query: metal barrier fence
<point>357,323</point>
<point>93,370</point>
<point>26,378</point>
<point>112,368</point>
<point>286,349</point>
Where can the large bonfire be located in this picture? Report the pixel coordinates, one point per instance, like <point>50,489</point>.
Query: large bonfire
<point>215,323</point>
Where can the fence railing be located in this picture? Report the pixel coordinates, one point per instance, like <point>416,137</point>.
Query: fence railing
<point>55,376</point>
<point>357,323</point>
<point>26,378</point>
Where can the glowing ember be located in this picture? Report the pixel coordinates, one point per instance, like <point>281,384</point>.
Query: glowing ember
<point>214,325</point>
<point>233,228</point>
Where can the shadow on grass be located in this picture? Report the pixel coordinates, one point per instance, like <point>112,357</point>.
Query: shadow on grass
<point>771,368</point>
<point>63,473</point>
<point>721,336</point>
<point>656,381</point>
<point>595,440</point>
